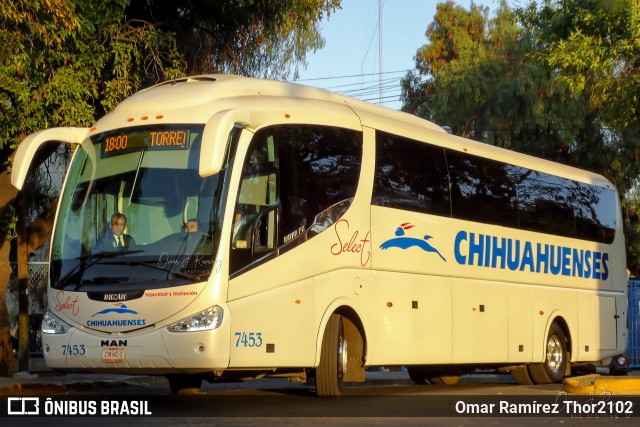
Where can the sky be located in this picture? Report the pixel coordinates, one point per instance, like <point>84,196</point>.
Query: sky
<point>350,61</point>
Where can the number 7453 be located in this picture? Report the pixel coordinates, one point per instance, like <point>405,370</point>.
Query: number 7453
<point>74,350</point>
<point>248,339</point>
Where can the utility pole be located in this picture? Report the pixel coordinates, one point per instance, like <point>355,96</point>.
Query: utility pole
<point>380,50</point>
<point>23,286</point>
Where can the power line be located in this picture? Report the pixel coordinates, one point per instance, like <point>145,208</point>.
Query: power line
<point>389,81</point>
<point>386,83</point>
<point>372,90</point>
<point>354,87</point>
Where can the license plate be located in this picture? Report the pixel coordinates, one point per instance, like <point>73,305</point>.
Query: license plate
<point>113,355</point>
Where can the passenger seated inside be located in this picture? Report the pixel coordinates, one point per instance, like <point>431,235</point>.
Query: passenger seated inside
<point>191,226</point>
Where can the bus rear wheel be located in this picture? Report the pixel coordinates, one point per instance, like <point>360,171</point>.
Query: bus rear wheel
<point>333,359</point>
<point>556,358</point>
<point>521,375</point>
<point>185,384</point>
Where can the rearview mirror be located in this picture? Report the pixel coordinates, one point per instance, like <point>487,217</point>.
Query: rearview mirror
<point>215,139</point>
<point>30,145</point>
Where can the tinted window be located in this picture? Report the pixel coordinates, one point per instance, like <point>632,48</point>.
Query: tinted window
<point>595,212</point>
<point>296,182</point>
<point>482,189</point>
<point>554,205</point>
<point>546,204</point>
<point>410,175</point>
<point>421,177</point>
<point>319,168</point>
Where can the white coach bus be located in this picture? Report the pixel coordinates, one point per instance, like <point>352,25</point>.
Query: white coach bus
<point>273,229</point>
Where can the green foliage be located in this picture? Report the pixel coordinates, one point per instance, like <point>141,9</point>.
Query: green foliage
<point>558,79</point>
<point>484,85</point>
<point>8,222</point>
<point>64,62</point>
<point>592,46</point>
<point>67,62</point>
<point>260,38</point>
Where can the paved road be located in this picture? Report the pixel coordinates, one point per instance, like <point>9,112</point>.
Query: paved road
<point>378,383</point>
<point>388,398</point>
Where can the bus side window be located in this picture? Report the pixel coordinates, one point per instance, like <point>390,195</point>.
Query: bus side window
<point>254,226</point>
<point>319,173</point>
<point>410,175</point>
<point>296,181</point>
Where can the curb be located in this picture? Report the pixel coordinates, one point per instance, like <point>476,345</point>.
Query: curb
<point>597,384</point>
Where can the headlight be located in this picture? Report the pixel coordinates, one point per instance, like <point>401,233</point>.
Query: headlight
<point>53,325</point>
<point>211,318</point>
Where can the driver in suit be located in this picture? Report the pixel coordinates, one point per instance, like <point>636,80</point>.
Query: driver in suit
<point>114,237</point>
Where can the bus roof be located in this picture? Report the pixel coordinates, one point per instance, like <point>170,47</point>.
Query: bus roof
<point>197,91</point>
<point>195,99</point>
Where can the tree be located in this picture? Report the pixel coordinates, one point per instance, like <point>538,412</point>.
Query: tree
<point>478,79</point>
<point>557,80</point>
<point>68,62</point>
<point>60,68</point>
<point>251,38</point>
<point>593,47</point>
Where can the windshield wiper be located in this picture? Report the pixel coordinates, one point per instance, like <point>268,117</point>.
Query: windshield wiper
<point>155,266</point>
<point>87,261</point>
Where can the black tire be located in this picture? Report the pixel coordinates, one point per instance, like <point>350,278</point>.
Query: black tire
<point>521,375</point>
<point>556,358</point>
<point>333,360</point>
<point>185,384</point>
<point>418,375</point>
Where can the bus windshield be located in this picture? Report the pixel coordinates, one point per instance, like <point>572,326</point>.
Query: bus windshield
<point>137,214</point>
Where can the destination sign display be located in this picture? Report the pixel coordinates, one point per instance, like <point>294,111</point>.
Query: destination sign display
<point>129,140</point>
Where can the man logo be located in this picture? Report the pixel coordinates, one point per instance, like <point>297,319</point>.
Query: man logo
<point>23,406</point>
<point>113,343</point>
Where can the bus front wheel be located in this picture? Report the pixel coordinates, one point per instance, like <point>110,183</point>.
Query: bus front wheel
<point>333,359</point>
<point>556,358</point>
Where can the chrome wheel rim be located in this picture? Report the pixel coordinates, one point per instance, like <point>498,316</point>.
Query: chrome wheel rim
<point>342,356</point>
<point>555,354</point>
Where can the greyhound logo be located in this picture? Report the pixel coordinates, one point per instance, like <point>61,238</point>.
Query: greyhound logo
<point>403,242</point>
<point>120,308</point>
